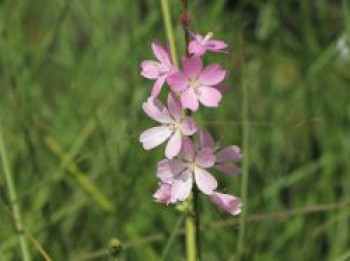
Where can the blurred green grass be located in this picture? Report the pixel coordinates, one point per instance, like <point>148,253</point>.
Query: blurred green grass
<point>69,73</point>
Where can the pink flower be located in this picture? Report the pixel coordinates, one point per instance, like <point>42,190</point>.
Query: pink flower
<point>158,70</point>
<point>228,203</point>
<point>200,45</point>
<point>163,194</point>
<point>173,125</point>
<point>189,168</point>
<point>225,157</point>
<point>196,84</point>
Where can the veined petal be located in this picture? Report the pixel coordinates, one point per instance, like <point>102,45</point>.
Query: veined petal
<point>212,75</point>
<point>161,54</point>
<point>205,181</point>
<point>178,82</point>
<point>216,45</point>
<point>174,145</point>
<point>187,150</point>
<point>181,188</point>
<point>228,203</point>
<point>209,96</point>
<point>230,153</point>
<point>192,66</point>
<point>155,136</point>
<point>157,111</point>
<point>163,194</point>
<point>196,48</point>
<point>169,169</point>
<point>206,140</point>
<point>189,126</point>
<point>229,169</point>
<point>189,99</point>
<point>158,86</point>
<point>175,107</point>
<point>205,158</point>
<point>150,69</point>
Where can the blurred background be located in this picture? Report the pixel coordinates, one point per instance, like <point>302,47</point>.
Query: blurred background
<point>70,107</point>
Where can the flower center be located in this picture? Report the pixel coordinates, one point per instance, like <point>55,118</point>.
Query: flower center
<point>193,82</point>
<point>207,38</point>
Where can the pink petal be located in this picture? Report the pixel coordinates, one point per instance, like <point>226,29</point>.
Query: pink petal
<point>168,170</point>
<point>189,126</point>
<point>229,169</point>
<point>230,153</point>
<point>175,107</point>
<point>216,45</point>
<point>153,137</point>
<point>209,96</point>
<point>189,99</point>
<point>158,86</point>
<point>205,181</point>
<point>157,111</point>
<point>161,54</point>
<point>182,187</point>
<point>205,158</point>
<point>196,48</point>
<point>163,194</point>
<point>187,150</point>
<point>192,66</point>
<point>206,140</point>
<point>150,69</point>
<point>174,145</point>
<point>227,202</point>
<point>212,75</point>
<point>178,82</point>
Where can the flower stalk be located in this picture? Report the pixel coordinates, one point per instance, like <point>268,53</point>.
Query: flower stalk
<point>190,152</point>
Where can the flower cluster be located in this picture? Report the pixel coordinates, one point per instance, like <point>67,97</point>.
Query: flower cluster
<point>190,152</point>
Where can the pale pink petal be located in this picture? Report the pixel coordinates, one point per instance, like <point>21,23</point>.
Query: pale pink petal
<point>228,203</point>
<point>168,170</point>
<point>205,181</point>
<point>174,145</point>
<point>163,194</point>
<point>158,86</point>
<point>189,99</point>
<point>157,111</point>
<point>187,150</point>
<point>155,136</point>
<point>175,107</point>
<point>182,187</point>
<point>178,82</point>
<point>205,158</point>
<point>198,37</point>
<point>189,126</point>
<point>209,96</point>
<point>212,75</point>
<point>229,169</point>
<point>161,54</point>
<point>230,153</point>
<point>206,140</point>
<point>192,66</point>
<point>150,69</point>
<point>196,48</point>
<point>216,45</point>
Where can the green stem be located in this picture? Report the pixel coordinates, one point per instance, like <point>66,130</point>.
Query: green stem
<point>169,30</point>
<point>13,200</point>
<point>191,249</point>
<point>245,173</point>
